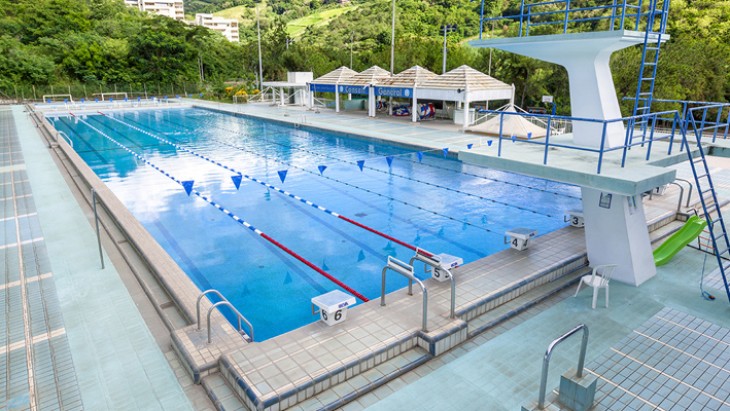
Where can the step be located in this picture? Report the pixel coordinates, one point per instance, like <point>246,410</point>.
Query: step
<point>341,394</point>
<point>221,393</point>
<point>525,301</point>
<point>518,288</point>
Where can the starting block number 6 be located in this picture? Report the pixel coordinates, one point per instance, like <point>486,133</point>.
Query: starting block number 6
<point>338,315</point>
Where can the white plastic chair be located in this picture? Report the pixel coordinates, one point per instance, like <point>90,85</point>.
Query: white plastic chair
<point>599,278</point>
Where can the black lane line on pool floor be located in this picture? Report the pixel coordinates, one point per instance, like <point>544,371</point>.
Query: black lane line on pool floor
<point>277,189</point>
<point>189,189</point>
<point>416,180</point>
<point>269,141</point>
<point>501,232</point>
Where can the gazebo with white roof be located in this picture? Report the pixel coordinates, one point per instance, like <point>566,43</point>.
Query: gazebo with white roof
<point>329,83</point>
<point>465,85</point>
<point>405,84</point>
<point>367,80</point>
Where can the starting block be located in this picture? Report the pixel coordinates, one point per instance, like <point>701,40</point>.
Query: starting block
<point>575,218</point>
<point>446,262</point>
<point>518,238</point>
<point>333,306</point>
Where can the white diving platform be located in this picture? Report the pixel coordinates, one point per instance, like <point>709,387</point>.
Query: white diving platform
<point>586,57</point>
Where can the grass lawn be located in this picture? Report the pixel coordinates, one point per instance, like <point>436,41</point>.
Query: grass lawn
<point>296,28</point>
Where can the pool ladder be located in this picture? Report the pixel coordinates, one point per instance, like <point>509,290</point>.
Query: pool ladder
<point>227,303</point>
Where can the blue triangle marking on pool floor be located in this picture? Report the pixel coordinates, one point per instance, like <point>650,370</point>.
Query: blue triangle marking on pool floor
<point>237,180</point>
<point>188,186</point>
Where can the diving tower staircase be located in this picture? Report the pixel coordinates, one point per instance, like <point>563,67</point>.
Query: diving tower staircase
<point>581,38</point>
<point>703,180</point>
<point>656,26</point>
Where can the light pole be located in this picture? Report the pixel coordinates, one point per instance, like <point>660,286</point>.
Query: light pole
<point>447,28</point>
<point>261,67</point>
<point>352,38</point>
<point>392,41</point>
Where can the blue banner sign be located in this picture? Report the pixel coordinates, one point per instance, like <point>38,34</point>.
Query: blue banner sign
<point>322,88</point>
<point>353,89</point>
<point>394,92</point>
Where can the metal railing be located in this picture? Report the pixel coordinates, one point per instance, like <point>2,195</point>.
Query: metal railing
<point>633,136</point>
<point>435,265</point>
<point>565,16</point>
<point>549,352</point>
<point>66,137</point>
<point>225,302</point>
<point>406,270</point>
<point>96,225</point>
<point>689,194</point>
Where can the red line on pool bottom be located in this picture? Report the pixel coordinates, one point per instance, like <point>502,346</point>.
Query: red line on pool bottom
<point>391,238</point>
<point>315,268</point>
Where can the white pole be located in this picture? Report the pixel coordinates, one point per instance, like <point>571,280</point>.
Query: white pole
<point>261,67</point>
<point>414,117</point>
<point>337,98</point>
<point>443,68</point>
<point>392,41</point>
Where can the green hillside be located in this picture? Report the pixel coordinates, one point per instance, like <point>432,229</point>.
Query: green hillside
<point>297,27</point>
<point>94,44</point>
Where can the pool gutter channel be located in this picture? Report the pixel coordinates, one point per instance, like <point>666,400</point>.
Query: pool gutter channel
<point>229,349</point>
<point>162,280</point>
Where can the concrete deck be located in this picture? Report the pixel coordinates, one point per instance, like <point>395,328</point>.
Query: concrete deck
<point>84,344</point>
<point>275,373</point>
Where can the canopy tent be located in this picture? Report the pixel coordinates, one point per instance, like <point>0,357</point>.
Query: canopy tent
<point>510,124</point>
<point>404,84</point>
<point>366,80</point>
<point>329,83</point>
<point>464,85</point>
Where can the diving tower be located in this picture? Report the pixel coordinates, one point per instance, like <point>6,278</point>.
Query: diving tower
<point>582,39</point>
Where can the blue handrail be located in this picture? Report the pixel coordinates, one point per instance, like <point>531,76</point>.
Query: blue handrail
<point>711,118</point>
<point>630,15</point>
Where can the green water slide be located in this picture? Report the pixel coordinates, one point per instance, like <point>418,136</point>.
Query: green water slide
<point>691,229</point>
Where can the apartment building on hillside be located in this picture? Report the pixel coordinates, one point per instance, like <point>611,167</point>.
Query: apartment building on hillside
<point>227,27</point>
<point>169,8</point>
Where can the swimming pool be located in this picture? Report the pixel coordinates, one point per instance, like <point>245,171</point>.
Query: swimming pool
<point>432,202</point>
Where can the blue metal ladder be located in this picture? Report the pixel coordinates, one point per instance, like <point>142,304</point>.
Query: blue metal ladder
<point>656,25</point>
<point>710,205</point>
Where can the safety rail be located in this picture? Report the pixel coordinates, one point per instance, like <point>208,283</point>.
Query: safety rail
<point>681,195</point>
<point>432,261</point>
<point>225,302</point>
<point>66,137</point>
<point>689,194</point>
<point>633,137</point>
<point>558,126</point>
<point>406,270</point>
<point>263,96</point>
<point>567,17</point>
<point>549,352</point>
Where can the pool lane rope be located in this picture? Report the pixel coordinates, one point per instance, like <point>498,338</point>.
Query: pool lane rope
<point>188,186</point>
<point>237,181</point>
<point>436,213</point>
<point>360,164</point>
<point>389,172</point>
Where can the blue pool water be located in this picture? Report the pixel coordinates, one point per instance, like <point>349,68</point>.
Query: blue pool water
<point>439,204</point>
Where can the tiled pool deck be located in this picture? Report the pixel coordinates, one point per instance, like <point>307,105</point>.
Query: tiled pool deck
<point>83,344</point>
<point>121,367</point>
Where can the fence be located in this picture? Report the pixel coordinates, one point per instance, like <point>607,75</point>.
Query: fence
<point>90,91</point>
